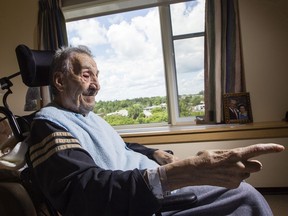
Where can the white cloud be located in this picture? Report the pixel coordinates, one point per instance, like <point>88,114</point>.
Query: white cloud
<point>87,32</point>
<point>187,20</point>
<point>136,39</point>
<point>189,55</point>
<point>191,83</point>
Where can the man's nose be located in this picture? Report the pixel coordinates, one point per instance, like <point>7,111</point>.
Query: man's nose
<point>94,79</point>
<point>97,85</point>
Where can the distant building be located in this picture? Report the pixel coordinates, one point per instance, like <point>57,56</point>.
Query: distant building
<point>150,108</point>
<point>200,107</point>
<point>120,112</point>
<point>147,113</point>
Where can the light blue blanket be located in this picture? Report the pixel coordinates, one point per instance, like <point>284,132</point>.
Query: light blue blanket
<point>98,138</point>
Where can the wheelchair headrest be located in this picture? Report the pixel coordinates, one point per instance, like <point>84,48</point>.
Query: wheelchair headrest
<point>34,65</point>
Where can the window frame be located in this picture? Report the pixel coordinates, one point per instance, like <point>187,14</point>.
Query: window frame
<point>101,8</point>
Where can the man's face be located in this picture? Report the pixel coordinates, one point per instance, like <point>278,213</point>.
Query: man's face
<point>81,85</point>
<point>233,104</point>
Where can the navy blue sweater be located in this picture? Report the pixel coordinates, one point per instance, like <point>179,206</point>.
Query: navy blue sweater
<point>74,185</point>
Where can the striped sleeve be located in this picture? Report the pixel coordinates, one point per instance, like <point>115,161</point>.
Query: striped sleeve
<point>54,142</point>
<point>68,177</point>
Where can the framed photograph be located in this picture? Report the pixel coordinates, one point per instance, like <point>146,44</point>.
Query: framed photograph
<point>237,108</point>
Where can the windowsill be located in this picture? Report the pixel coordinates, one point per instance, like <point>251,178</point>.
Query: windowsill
<point>205,133</point>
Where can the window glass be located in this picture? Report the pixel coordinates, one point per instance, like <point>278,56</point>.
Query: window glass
<point>187,20</point>
<point>127,49</point>
<point>188,17</point>
<point>189,60</point>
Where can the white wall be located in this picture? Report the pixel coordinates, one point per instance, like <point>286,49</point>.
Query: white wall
<point>275,166</point>
<point>264,26</point>
<point>18,24</point>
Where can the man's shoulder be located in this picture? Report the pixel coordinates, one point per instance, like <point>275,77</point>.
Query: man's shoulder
<point>48,116</point>
<point>47,110</point>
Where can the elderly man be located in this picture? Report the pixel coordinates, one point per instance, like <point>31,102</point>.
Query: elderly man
<point>83,167</point>
<point>233,111</point>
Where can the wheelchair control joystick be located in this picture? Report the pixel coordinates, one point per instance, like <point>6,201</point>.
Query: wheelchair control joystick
<point>6,84</point>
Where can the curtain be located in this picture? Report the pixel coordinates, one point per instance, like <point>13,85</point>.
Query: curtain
<point>52,34</point>
<point>223,56</point>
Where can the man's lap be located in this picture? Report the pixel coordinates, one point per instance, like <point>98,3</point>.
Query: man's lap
<point>244,200</point>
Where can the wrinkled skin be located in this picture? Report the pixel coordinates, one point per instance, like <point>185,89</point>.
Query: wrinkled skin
<point>163,157</point>
<point>78,89</point>
<point>224,168</point>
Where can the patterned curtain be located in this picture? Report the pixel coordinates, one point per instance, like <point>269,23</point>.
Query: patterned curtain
<point>52,34</point>
<point>223,56</point>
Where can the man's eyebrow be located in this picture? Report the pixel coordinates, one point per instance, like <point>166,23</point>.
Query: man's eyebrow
<point>87,67</point>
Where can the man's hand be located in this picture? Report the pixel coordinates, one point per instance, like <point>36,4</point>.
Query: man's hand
<point>225,168</point>
<point>163,157</point>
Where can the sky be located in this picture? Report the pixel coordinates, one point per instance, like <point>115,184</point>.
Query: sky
<point>128,51</point>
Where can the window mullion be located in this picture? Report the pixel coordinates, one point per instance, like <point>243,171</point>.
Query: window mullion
<point>185,36</point>
<point>169,64</point>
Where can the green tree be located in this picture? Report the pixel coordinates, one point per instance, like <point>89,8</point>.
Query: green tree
<point>119,120</point>
<point>135,110</point>
<point>136,106</point>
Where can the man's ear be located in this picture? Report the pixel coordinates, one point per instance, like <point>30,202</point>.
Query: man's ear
<point>58,79</point>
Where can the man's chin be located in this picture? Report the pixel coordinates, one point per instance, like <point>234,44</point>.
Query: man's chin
<point>87,104</point>
<point>84,110</point>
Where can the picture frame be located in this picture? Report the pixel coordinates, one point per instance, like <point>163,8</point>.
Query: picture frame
<point>237,108</point>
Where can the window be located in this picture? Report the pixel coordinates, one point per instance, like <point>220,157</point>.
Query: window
<point>151,60</point>
<point>188,40</point>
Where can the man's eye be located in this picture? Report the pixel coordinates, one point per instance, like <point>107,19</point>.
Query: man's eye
<point>86,75</point>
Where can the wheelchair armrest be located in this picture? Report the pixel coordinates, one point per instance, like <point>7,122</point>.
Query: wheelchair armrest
<point>178,201</point>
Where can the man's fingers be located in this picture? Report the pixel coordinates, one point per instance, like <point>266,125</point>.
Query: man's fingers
<point>258,149</point>
<point>252,166</point>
